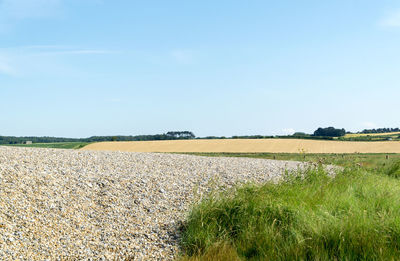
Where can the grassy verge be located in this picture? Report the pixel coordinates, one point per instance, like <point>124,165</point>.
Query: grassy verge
<point>354,216</point>
<point>365,160</point>
<point>56,145</point>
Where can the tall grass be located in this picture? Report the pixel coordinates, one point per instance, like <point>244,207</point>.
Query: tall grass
<point>393,169</point>
<point>310,216</point>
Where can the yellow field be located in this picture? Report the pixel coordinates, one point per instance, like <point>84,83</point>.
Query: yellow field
<point>371,134</point>
<point>250,145</point>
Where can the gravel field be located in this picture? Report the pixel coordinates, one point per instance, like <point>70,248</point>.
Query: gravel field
<point>83,205</point>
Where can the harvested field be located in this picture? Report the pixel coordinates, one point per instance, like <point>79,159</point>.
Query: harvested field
<point>250,145</point>
<point>60,204</point>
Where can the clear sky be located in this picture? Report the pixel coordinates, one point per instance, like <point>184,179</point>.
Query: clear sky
<point>77,68</point>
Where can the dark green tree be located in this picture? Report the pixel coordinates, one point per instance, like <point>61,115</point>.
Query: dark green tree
<point>329,132</point>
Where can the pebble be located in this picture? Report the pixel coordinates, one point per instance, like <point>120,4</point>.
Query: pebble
<point>91,205</point>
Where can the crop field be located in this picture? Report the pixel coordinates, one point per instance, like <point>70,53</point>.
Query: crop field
<point>249,146</point>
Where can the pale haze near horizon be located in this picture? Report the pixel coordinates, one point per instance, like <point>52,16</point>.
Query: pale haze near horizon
<point>73,68</point>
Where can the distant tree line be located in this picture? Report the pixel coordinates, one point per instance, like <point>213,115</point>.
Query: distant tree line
<point>18,140</point>
<point>252,137</point>
<point>380,130</point>
<point>370,138</point>
<point>172,135</point>
<point>321,133</point>
<point>305,137</point>
<point>237,137</point>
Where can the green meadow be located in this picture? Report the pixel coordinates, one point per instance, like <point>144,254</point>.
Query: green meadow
<point>309,216</point>
<point>55,145</point>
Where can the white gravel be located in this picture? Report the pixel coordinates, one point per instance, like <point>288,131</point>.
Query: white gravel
<point>83,205</point>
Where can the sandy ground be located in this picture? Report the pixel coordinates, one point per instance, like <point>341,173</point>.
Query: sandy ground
<point>250,145</point>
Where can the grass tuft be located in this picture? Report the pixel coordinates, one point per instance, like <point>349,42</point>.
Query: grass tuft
<point>393,170</point>
<point>313,216</point>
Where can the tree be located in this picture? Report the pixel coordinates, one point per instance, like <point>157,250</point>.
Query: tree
<point>300,134</point>
<point>329,132</point>
<point>180,135</point>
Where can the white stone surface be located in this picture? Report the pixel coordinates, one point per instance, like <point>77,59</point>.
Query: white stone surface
<point>77,205</point>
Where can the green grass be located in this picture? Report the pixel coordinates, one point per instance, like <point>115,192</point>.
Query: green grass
<point>366,160</point>
<point>310,216</point>
<point>56,145</point>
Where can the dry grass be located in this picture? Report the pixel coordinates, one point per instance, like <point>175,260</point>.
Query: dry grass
<point>250,145</point>
<point>352,135</point>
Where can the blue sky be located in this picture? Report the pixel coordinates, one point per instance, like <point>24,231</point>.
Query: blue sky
<point>77,68</point>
